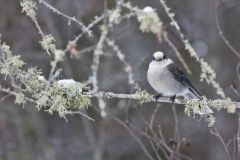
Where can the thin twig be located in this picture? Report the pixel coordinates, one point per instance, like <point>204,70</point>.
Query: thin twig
<point>153,138</point>
<point>220,31</point>
<point>214,131</point>
<point>170,43</point>
<point>80,113</point>
<point>176,131</point>
<point>138,140</point>
<point>210,78</point>
<point>99,146</point>
<point>163,142</point>
<point>92,24</point>
<point>121,57</point>
<point>153,117</point>
<point>235,154</point>
<point>40,31</point>
<point>88,129</point>
<point>151,129</point>
<point>238,137</point>
<point>5,97</point>
<point>14,93</point>
<point>73,19</point>
<point>155,149</point>
<point>95,68</point>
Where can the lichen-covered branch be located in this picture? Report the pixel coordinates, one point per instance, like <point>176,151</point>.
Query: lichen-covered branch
<point>64,96</point>
<point>170,43</point>
<point>207,72</point>
<point>127,67</point>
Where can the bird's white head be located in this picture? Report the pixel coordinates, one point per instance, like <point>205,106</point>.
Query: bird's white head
<point>159,56</point>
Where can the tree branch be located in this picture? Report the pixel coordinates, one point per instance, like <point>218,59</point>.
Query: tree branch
<point>161,100</point>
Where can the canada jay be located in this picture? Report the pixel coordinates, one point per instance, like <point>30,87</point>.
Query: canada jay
<point>168,79</point>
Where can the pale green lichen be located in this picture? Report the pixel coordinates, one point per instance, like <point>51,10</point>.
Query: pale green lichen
<point>114,16</point>
<point>211,120</point>
<point>63,99</point>
<point>31,79</point>
<point>29,7</point>
<point>10,64</point>
<point>147,17</point>
<point>207,73</point>
<point>195,106</point>
<point>42,101</point>
<point>189,48</point>
<point>199,106</point>
<point>31,85</point>
<point>149,20</point>
<point>192,107</point>
<point>20,98</point>
<point>48,43</point>
<point>58,105</point>
<point>231,108</point>
<point>220,104</point>
<point>59,55</point>
<point>142,96</point>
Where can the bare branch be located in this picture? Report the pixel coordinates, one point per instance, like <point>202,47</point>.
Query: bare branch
<point>220,31</point>
<point>238,136</point>
<point>214,131</point>
<point>135,137</point>
<point>5,97</point>
<point>73,19</point>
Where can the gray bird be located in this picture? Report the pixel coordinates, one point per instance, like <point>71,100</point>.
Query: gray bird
<point>168,80</point>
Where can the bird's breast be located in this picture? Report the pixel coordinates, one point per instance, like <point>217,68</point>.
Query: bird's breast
<point>163,82</point>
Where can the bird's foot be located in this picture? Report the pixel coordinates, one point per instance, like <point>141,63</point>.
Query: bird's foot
<point>156,97</point>
<point>173,98</point>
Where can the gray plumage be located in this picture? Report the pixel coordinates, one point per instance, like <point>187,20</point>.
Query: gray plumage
<point>182,79</point>
<point>168,79</point>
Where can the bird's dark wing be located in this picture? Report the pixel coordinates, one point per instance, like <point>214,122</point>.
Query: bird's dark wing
<point>182,78</point>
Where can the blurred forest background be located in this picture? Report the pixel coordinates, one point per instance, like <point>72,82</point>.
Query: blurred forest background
<point>26,133</point>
